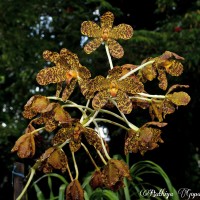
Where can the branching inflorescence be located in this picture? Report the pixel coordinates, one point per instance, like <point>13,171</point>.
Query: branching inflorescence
<point>123,88</point>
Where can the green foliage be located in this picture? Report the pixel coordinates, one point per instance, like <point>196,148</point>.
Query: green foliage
<point>142,168</point>
<point>53,177</point>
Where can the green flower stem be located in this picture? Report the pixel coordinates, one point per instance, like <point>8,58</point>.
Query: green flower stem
<point>111,113</point>
<point>31,174</point>
<point>87,151</point>
<point>80,107</point>
<point>111,122</point>
<point>109,57</point>
<point>73,105</point>
<point>102,158</point>
<point>102,142</point>
<point>91,110</point>
<point>55,98</point>
<point>69,172</point>
<point>132,126</point>
<point>91,118</point>
<point>51,175</point>
<point>64,143</point>
<point>69,103</point>
<point>36,130</point>
<point>141,98</point>
<point>152,95</point>
<point>84,115</point>
<point>75,165</point>
<point>136,69</point>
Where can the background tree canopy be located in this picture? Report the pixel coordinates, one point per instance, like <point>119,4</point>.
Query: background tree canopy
<point>27,28</point>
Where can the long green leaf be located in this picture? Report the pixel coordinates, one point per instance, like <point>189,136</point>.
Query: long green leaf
<point>86,196</point>
<point>40,195</point>
<point>86,180</point>
<point>48,176</point>
<point>149,167</point>
<point>99,194</point>
<point>86,186</point>
<point>126,190</point>
<point>110,194</point>
<point>50,187</point>
<point>62,189</point>
<point>53,175</point>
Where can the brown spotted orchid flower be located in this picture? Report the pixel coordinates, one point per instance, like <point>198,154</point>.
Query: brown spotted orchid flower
<point>67,70</point>
<point>114,173</point>
<point>113,87</point>
<point>53,116</point>
<point>160,107</point>
<point>106,33</point>
<point>25,145</point>
<point>36,104</point>
<point>146,138</point>
<point>50,114</point>
<point>96,179</point>
<point>73,132</point>
<point>178,98</point>
<point>111,176</point>
<point>53,158</point>
<point>162,65</point>
<point>74,191</point>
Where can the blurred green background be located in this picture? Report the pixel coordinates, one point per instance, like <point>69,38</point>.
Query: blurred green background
<point>27,28</point>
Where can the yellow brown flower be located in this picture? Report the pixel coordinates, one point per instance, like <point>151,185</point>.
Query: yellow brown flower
<point>74,131</point>
<point>178,98</point>
<point>146,138</point>
<point>159,108</point>
<point>113,87</point>
<point>67,70</point>
<point>74,191</point>
<point>25,145</point>
<point>114,173</point>
<point>96,179</point>
<point>53,158</point>
<point>162,64</point>
<point>52,116</point>
<point>36,104</point>
<point>106,33</point>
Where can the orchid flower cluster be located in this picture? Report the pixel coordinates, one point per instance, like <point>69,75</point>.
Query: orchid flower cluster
<point>123,88</point>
